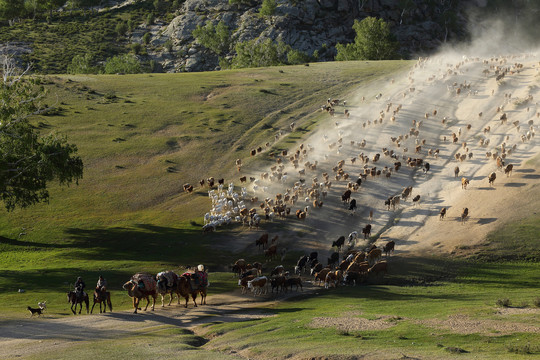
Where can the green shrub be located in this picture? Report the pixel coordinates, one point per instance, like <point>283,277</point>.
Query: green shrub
<point>168,45</point>
<point>121,29</point>
<point>215,38</point>
<point>295,57</point>
<point>127,64</point>
<point>255,53</point>
<point>536,302</point>
<point>150,19</point>
<point>82,64</point>
<point>136,48</point>
<point>146,38</point>
<point>373,41</point>
<point>268,8</point>
<point>503,302</point>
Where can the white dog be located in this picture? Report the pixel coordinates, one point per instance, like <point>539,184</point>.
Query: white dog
<point>42,305</point>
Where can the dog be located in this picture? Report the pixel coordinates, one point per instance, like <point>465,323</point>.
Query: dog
<point>42,305</point>
<point>37,311</point>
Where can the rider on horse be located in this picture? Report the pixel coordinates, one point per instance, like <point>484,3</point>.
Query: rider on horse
<point>101,286</point>
<point>79,287</point>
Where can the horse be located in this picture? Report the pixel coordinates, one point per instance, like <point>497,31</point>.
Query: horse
<point>102,297</point>
<point>74,300</point>
<point>202,292</point>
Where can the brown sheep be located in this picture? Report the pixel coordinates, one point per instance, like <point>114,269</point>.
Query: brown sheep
<point>464,183</point>
<point>464,214</point>
<point>442,213</point>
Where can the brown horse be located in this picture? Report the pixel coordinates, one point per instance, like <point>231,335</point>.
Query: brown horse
<point>202,291</point>
<point>137,294</point>
<point>185,290</point>
<point>75,300</point>
<point>102,297</point>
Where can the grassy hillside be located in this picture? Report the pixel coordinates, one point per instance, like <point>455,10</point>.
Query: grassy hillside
<point>141,138</point>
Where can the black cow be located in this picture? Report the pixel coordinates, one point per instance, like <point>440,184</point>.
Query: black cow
<point>334,258</point>
<point>301,264</point>
<point>339,242</point>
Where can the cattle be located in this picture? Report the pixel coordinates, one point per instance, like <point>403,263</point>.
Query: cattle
<point>262,241</point>
<point>456,171</point>
<point>491,178</point>
<point>359,267</point>
<point>346,197</point>
<point>301,265</point>
<point>353,278</point>
<point>416,199</point>
<point>243,179</point>
<point>464,183</point>
<point>313,256</point>
<point>244,283</point>
<point>508,169</point>
<point>359,257</point>
<point>464,214</point>
<point>366,231</point>
<point>339,242</point>
<point>374,255</point>
<point>239,266</point>
<point>378,268</point>
<point>389,247</point>
<point>188,188</point>
<point>321,275</point>
<point>270,253</point>
<point>316,268</point>
<point>278,270</point>
<point>442,213</point>
<point>249,272</point>
<point>259,285</point>
<point>352,238</point>
<point>277,283</point>
<point>352,206</point>
<point>333,277</point>
<point>333,259</point>
<point>290,282</point>
<point>344,265</point>
<point>406,192</point>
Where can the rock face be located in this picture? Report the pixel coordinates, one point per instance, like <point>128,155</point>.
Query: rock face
<point>307,25</point>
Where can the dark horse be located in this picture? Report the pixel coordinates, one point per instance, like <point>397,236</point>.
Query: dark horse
<point>102,297</point>
<point>74,300</point>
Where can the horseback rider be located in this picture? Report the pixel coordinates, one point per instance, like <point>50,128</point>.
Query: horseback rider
<point>101,286</point>
<point>201,275</point>
<point>79,287</point>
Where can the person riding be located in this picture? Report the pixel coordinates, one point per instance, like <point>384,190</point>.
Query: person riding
<point>202,275</point>
<point>101,286</point>
<point>79,287</point>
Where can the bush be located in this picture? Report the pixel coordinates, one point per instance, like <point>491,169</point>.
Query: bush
<point>146,38</point>
<point>373,41</point>
<point>503,302</point>
<point>168,45</point>
<point>136,48</point>
<point>256,53</point>
<point>295,57</point>
<point>127,64</point>
<point>268,8</point>
<point>150,19</point>
<point>82,64</point>
<point>215,38</point>
<point>536,302</point>
<point>121,29</point>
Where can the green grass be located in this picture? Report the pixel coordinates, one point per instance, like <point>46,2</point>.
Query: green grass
<point>129,212</point>
<point>473,293</point>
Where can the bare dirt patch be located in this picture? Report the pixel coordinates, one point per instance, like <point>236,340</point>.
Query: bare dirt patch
<point>462,324</point>
<point>351,322</point>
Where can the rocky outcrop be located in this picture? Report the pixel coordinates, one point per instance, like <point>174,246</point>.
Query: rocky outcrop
<point>308,25</point>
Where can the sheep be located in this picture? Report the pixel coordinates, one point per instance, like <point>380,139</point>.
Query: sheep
<point>491,178</point>
<point>464,183</point>
<point>464,214</point>
<point>442,214</point>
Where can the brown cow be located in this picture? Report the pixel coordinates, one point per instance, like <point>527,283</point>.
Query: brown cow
<point>263,240</point>
<point>491,178</point>
<point>294,281</point>
<point>321,275</point>
<point>259,285</point>
<point>508,169</point>
<point>188,188</point>
<point>334,277</point>
<point>389,247</point>
<point>464,214</point>
<point>374,255</point>
<point>270,253</point>
<point>378,268</point>
<point>360,267</point>
<point>442,213</point>
<point>244,282</point>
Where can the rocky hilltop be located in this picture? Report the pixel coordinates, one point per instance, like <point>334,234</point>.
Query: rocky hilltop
<point>309,26</point>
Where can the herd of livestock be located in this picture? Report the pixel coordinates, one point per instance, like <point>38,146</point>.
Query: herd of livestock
<point>336,170</point>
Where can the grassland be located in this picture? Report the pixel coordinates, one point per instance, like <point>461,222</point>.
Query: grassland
<point>141,137</point>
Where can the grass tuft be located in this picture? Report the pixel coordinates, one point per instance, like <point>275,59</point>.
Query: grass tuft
<point>504,302</point>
